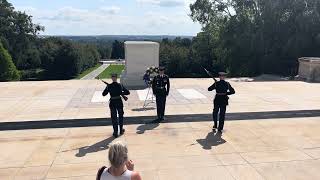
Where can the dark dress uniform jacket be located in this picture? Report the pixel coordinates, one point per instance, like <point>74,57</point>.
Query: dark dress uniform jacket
<point>161,85</point>
<point>223,89</point>
<point>116,90</point>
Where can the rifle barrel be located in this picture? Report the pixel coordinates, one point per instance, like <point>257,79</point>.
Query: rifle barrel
<point>209,73</point>
<point>123,96</point>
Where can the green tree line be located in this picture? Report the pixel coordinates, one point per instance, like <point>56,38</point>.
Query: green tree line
<point>62,59</point>
<point>243,37</point>
<point>246,38</point>
<point>38,58</point>
<point>250,37</point>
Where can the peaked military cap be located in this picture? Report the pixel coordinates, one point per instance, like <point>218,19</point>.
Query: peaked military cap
<point>222,73</point>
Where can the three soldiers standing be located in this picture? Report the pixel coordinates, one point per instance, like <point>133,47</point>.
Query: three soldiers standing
<point>161,89</point>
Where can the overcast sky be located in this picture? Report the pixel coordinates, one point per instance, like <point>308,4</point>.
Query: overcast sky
<point>111,17</point>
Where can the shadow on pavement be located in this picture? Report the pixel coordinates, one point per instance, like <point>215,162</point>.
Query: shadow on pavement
<point>146,127</point>
<point>179,118</point>
<point>211,140</point>
<point>99,146</point>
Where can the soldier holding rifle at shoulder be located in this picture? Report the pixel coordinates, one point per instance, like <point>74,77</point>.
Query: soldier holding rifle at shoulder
<point>221,100</point>
<point>117,92</point>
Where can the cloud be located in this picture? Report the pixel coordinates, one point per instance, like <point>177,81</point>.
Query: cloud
<point>154,2</point>
<point>171,3</point>
<point>68,14</point>
<point>110,10</point>
<point>157,20</point>
<point>162,3</point>
<point>26,9</point>
<point>111,20</point>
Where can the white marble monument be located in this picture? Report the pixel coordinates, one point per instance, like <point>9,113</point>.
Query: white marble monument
<point>139,55</point>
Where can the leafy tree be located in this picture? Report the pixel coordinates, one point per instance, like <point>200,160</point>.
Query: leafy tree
<point>57,58</point>
<point>176,56</point>
<point>104,50</point>
<point>117,50</point>
<point>8,71</point>
<point>64,65</point>
<point>48,51</point>
<point>63,59</point>
<point>18,33</point>
<point>260,36</point>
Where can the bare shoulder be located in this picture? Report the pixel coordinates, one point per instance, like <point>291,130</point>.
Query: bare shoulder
<point>135,176</point>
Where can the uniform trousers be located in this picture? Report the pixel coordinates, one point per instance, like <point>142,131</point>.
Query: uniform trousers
<point>161,106</point>
<point>219,109</point>
<point>116,109</point>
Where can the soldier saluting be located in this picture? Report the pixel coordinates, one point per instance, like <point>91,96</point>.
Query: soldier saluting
<point>221,100</point>
<point>161,88</point>
<point>116,91</point>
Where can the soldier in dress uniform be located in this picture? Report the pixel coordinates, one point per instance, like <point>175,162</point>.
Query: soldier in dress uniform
<point>221,100</point>
<point>161,88</point>
<point>117,92</point>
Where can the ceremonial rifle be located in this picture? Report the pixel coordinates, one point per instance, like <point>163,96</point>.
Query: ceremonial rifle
<point>209,73</point>
<point>123,96</point>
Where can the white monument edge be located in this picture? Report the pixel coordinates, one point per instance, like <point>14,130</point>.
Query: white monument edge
<point>139,55</point>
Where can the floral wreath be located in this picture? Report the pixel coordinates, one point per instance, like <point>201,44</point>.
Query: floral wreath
<point>152,71</point>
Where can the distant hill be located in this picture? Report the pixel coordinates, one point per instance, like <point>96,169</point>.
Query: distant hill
<point>104,38</point>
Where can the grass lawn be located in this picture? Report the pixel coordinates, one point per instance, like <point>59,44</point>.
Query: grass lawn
<point>110,70</point>
<point>84,73</point>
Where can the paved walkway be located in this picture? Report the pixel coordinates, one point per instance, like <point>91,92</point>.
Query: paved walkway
<point>96,72</point>
<point>272,132</point>
<point>74,99</point>
<point>275,149</point>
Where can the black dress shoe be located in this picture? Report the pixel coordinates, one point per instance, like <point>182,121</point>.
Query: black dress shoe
<point>122,131</point>
<point>214,127</point>
<point>115,135</point>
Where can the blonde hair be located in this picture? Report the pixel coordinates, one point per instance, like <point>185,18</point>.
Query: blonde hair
<point>118,154</point>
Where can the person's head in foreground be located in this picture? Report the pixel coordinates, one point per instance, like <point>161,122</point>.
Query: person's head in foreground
<point>121,167</point>
<point>114,77</point>
<point>161,70</point>
<point>222,75</point>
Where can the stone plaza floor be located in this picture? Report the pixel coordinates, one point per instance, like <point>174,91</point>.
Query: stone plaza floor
<point>61,130</point>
